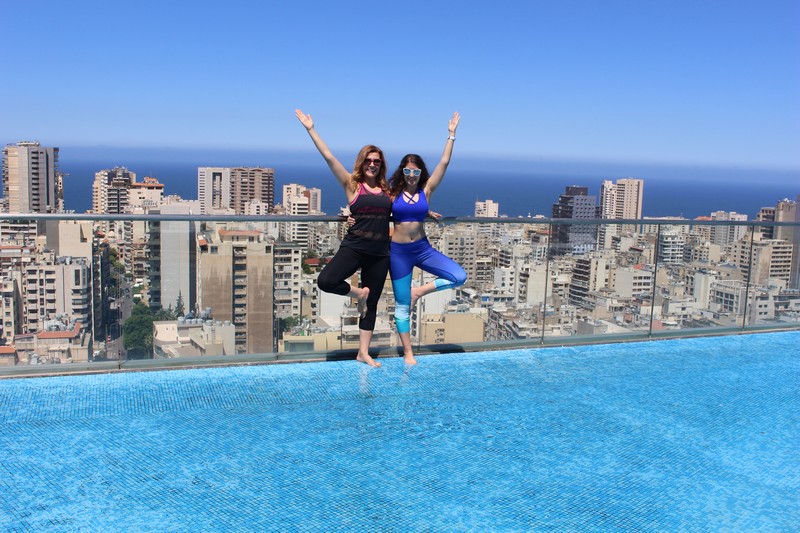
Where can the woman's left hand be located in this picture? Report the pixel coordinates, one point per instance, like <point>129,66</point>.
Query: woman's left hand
<point>451,127</point>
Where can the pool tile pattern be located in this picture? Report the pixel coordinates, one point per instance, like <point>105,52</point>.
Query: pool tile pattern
<point>678,435</point>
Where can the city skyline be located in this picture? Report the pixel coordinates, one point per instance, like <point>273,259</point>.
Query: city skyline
<point>676,192</point>
<point>76,281</point>
<point>685,84</point>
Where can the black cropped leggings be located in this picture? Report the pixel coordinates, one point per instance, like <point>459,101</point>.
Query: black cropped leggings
<point>344,264</point>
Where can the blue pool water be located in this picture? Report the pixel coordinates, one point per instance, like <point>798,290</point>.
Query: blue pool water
<point>697,434</point>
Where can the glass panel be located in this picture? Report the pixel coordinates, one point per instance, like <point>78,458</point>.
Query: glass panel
<point>769,260</point>
<point>600,290</point>
<point>115,290</point>
<point>698,286</point>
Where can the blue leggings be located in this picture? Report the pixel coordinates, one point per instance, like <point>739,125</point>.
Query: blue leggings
<point>402,260</point>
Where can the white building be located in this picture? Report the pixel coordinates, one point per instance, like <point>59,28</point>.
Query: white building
<point>487,208</point>
<point>632,281</point>
<point>671,243</point>
<point>297,201</point>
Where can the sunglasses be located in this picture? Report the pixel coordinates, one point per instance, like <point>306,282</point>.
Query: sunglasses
<point>412,171</point>
<point>376,162</point>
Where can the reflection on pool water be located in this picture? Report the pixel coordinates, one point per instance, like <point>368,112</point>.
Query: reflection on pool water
<point>698,434</point>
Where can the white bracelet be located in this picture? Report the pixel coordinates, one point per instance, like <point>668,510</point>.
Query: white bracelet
<point>451,138</point>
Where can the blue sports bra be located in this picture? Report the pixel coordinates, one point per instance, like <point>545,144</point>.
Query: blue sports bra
<point>405,209</point>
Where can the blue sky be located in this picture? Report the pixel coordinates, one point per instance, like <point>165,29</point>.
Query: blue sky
<point>679,82</point>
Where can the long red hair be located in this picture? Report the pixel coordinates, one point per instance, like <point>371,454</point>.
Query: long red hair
<point>358,170</point>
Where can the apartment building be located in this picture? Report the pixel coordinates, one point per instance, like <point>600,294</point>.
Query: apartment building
<point>620,200</point>
<point>31,182</point>
<point>590,272</point>
<point>575,204</point>
<point>229,190</point>
<point>38,285</point>
<point>287,283</point>
<point>299,201</point>
<point>235,281</point>
<point>671,244</point>
<point>459,244</point>
<point>172,257</point>
<point>725,235</point>
<point>764,261</point>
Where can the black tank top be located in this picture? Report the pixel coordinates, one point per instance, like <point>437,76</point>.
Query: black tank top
<point>370,233</point>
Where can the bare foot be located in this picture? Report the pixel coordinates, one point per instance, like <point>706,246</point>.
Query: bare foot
<point>366,359</point>
<point>415,295</point>
<point>362,304</point>
<point>409,359</point>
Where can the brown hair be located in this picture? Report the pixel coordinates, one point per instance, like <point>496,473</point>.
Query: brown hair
<point>358,170</point>
<point>398,183</point>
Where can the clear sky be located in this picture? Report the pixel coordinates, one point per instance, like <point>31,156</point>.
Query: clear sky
<point>709,82</point>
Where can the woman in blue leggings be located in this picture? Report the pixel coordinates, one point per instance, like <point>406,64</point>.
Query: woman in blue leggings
<point>411,189</point>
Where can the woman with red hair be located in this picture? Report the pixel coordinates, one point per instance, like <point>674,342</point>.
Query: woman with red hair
<point>366,245</point>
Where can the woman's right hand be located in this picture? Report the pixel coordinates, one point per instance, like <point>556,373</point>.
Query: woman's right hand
<point>304,119</point>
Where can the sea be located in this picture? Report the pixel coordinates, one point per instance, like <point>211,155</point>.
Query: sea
<point>521,187</point>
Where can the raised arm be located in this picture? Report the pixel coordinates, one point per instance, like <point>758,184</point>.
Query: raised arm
<point>438,173</point>
<point>336,167</point>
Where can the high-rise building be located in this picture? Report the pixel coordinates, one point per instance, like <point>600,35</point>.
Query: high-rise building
<point>590,273</point>
<point>10,306</point>
<point>111,196</point>
<point>671,244</point>
<point>236,284</point>
<point>172,254</point>
<point>224,189</point>
<point>299,200</point>
<point>767,214</point>
<point>620,200</point>
<point>487,208</point>
<point>147,194</point>
<point>252,183</point>
<point>628,203</point>
<point>31,183</point>
<point>288,272</point>
<point>110,190</point>
<point>213,189</point>
<point>314,201</point>
<point>575,204</point>
<point>764,261</point>
<point>49,287</point>
<point>459,244</point>
<point>726,235</point>
<point>784,211</point>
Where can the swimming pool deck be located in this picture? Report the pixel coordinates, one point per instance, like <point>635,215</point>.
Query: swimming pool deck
<point>680,435</point>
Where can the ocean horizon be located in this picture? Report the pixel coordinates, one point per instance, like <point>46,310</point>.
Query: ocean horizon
<point>521,187</point>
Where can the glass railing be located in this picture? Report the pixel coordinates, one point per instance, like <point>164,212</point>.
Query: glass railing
<point>94,292</point>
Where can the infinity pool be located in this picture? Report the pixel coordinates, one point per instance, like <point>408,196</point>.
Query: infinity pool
<point>697,434</point>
